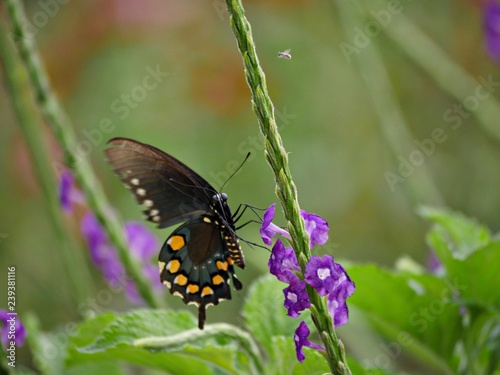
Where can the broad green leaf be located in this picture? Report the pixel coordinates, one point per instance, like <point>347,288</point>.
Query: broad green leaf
<point>265,315</point>
<point>415,312</point>
<point>477,278</point>
<point>463,235</point>
<point>102,339</point>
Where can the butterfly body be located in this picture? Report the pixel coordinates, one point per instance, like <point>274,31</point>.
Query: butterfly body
<point>197,260</point>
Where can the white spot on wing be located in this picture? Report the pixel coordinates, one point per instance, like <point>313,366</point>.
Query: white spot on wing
<point>141,192</point>
<point>134,181</point>
<point>148,203</point>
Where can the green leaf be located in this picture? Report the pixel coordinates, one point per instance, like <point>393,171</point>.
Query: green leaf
<point>114,337</point>
<point>462,234</point>
<point>415,312</point>
<point>477,278</point>
<point>265,315</point>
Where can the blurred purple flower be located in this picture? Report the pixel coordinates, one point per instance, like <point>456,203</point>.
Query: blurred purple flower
<point>5,329</point>
<point>296,297</point>
<point>102,253</point>
<point>434,264</point>
<point>142,243</point>
<point>491,15</point>
<point>283,262</point>
<point>68,193</point>
<point>301,338</point>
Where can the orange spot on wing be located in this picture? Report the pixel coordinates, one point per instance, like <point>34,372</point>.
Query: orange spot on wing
<point>221,265</point>
<point>193,288</point>
<point>173,266</point>
<point>206,291</point>
<point>176,242</point>
<point>217,279</point>
<point>180,280</point>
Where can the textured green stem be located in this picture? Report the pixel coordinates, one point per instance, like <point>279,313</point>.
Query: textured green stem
<point>390,116</point>
<point>286,191</point>
<point>78,277</point>
<point>64,134</point>
<point>211,331</point>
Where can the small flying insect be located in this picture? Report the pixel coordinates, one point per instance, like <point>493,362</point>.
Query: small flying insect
<point>285,54</point>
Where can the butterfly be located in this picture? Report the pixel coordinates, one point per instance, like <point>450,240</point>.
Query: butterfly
<point>197,260</point>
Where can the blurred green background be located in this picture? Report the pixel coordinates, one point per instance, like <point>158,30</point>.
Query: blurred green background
<point>98,51</point>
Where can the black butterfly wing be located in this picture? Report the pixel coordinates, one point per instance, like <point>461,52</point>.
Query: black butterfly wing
<point>196,265</point>
<point>171,191</point>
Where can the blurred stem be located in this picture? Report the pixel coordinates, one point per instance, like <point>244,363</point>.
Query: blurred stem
<point>277,158</point>
<point>79,277</point>
<point>390,117</point>
<point>63,131</point>
<point>211,331</point>
<point>36,343</point>
<point>449,75</point>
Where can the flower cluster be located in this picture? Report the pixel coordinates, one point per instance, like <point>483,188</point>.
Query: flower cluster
<point>328,278</point>
<point>492,29</point>
<point>143,244</point>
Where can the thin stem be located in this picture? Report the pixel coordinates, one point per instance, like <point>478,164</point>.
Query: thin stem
<point>286,191</point>
<point>390,116</point>
<point>79,277</point>
<point>211,331</point>
<point>63,131</point>
<point>449,75</point>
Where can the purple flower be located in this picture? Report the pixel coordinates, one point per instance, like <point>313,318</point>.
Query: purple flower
<point>11,326</point>
<point>316,227</point>
<point>141,241</point>
<point>434,264</point>
<point>323,274</point>
<point>296,297</point>
<point>301,339</point>
<point>102,253</point>
<point>68,194</point>
<point>143,246</point>
<point>491,15</point>
<point>283,262</point>
<point>268,230</point>
<point>336,303</point>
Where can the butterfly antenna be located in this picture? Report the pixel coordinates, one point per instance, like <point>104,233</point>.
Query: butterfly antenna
<point>236,171</point>
<point>191,186</point>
